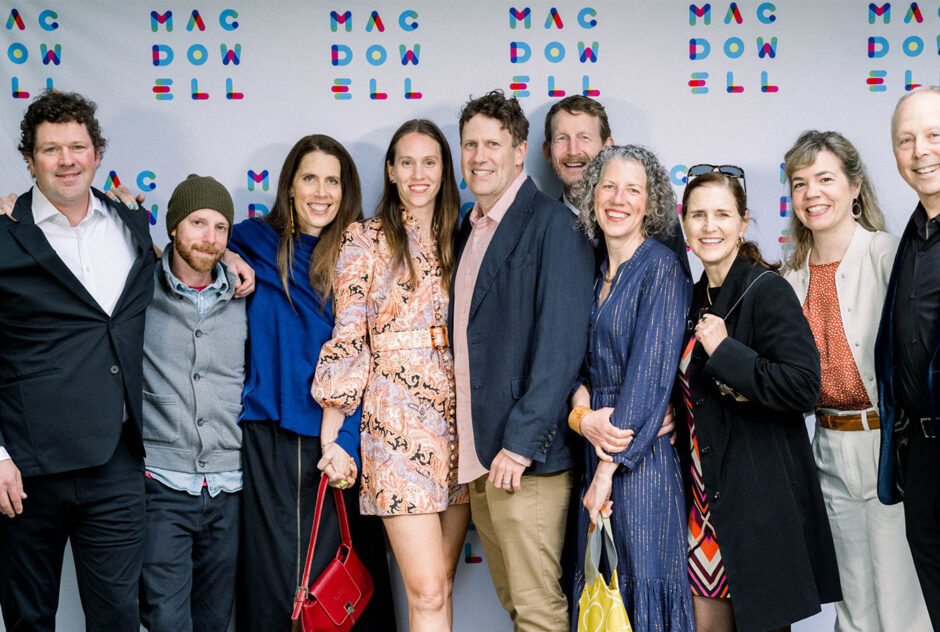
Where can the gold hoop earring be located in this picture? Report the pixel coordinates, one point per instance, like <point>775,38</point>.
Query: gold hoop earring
<point>292,229</point>
<point>740,240</point>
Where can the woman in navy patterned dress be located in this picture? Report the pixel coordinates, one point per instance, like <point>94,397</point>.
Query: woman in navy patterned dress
<point>640,301</point>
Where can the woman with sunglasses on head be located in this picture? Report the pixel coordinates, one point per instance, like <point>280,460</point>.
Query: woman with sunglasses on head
<point>390,352</point>
<point>287,440</point>
<point>640,298</point>
<point>760,549</point>
<point>839,264</point>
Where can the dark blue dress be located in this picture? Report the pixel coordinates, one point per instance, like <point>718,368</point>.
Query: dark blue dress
<point>634,348</point>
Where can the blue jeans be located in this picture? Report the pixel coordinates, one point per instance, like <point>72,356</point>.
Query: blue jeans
<point>190,560</point>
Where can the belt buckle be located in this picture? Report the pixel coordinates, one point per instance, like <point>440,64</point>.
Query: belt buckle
<point>439,337</point>
<point>927,430</point>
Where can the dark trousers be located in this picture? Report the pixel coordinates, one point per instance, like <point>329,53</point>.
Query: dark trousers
<point>101,510</point>
<point>280,476</point>
<point>190,560</point>
<point>922,515</point>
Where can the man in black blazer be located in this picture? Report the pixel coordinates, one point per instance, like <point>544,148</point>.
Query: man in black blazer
<point>907,351</point>
<point>76,276</point>
<point>520,305</point>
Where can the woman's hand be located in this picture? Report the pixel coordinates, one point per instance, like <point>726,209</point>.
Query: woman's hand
<point>245,283</point>
<point>710,331</point>
<point>122,193</point>
<point>337,465</point>
<point>603,435</point>
<point>597,497</point>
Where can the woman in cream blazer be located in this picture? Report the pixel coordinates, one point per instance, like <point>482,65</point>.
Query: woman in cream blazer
<point>839,264</point>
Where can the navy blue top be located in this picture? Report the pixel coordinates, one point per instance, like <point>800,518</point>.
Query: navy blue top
<point>284,341</point>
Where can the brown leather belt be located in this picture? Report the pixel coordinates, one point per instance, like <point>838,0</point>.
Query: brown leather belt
<point>433,337</point>
<point>851,421</point>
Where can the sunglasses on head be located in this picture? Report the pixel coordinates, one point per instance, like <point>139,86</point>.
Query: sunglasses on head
<point>728,170</point>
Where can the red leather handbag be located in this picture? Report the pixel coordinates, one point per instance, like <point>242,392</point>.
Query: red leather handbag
<point>343,589</point>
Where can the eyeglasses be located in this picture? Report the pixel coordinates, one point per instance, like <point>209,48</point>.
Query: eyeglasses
<point>728,170</point>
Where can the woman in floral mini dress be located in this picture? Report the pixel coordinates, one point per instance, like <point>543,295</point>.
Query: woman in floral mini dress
<point>390,352</point>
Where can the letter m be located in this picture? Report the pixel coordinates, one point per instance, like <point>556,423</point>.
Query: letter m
<point>255,178</point>
<point>231,55</point>
<point>884,11</point>
<point>525,15</point>
<point>704,12</point>
<point>161,18</point>
<point>336,19</point>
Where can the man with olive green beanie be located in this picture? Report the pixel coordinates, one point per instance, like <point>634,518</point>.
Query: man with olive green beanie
<point>194,371</point>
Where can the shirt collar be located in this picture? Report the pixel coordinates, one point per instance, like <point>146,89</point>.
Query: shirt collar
<point>569,204</point>
<point>45,211</point>
<point>502,204</point>
<point>220,284</point>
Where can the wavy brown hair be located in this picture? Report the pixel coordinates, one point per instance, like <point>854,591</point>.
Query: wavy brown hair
<point>803,154</point>
<point>323,261</point>
<point>446,205</point>
<point>748,249</point>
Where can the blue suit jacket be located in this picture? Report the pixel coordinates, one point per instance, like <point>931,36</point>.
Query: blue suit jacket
<point>527,330</point>
<point>890,489</point>
<point>67,368</point>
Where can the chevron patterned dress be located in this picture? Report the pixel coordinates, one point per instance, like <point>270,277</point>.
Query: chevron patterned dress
<point>706,570</point>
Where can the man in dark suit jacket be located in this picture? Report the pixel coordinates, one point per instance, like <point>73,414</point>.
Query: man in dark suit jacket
<point>907,351</point>
<point>76,276</point>
<point>520,306</point>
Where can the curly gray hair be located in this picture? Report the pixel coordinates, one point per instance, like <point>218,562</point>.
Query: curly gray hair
<point>661,206</point>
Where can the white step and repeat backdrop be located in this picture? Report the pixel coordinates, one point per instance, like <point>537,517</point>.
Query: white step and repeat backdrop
<point>225,88</point>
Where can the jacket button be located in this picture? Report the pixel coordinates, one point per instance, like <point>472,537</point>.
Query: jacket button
<point>199,333</point>
<point>202,463</point>
<point>115,369</point>
<point>111,322</point>
<point>706,449</point>
<point>200,421</point>
<point>716,495</point>
<point>197,377</point>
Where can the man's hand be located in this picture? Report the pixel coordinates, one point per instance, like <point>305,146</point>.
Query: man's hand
<point>122,193</point>
<point>506,472</point>
<point>245,284</point>
<point>603,435</point>
<point>11,489</point>
<point>6,205</point>
<point>669,425</point>
<point>597,497</point>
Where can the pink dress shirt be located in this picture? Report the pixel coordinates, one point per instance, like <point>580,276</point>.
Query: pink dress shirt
<point>469,467</point>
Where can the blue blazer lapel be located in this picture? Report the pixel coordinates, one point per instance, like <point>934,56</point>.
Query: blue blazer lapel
<point>34,242</point>
<point>507,235</point>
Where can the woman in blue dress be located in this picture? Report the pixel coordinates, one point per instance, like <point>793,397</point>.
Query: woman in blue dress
<point>641,296</point>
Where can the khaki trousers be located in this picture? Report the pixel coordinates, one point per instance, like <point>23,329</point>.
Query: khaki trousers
<point>523,534</point>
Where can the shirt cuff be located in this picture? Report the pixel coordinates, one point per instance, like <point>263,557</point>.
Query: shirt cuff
<point>518,458</point>
<point>4,455</point>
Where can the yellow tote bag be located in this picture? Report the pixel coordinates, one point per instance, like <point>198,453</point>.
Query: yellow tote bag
<point>600,608</point>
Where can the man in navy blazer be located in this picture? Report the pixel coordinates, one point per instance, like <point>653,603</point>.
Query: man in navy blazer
<point>907,351</point>
<point>520,305</point>
<point>76,276</point>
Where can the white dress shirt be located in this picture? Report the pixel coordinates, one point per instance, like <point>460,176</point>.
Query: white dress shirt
<point>99,251</point>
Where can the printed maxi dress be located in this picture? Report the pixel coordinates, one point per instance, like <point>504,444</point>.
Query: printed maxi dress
<point>408,429</point>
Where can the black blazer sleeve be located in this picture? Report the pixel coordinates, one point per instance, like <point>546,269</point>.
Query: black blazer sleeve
<point>779,368</point>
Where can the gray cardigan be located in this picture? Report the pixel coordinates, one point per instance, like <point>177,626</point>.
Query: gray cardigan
<point>194,371</point>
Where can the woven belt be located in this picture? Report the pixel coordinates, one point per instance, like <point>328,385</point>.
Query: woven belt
<point>850,420</point>
<point>433,337</point>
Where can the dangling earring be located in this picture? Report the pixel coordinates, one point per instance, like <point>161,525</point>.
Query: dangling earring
<point>292,229</point>
<point>856,208</point>
<point>687,244</point>
<point>740,240</point>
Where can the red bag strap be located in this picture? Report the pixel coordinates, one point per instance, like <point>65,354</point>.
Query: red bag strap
<point>304,587</point>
